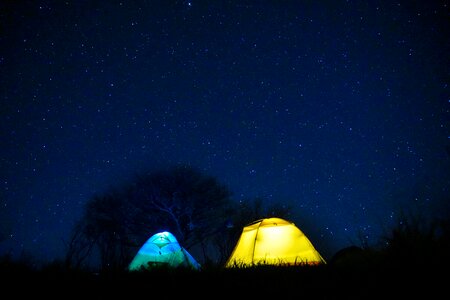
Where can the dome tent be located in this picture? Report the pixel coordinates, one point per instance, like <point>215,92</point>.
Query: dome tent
<point>273,241</point>
<point>162,249</point>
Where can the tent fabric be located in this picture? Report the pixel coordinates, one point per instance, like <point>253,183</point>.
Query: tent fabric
<point>273,241</point>
<point>162,249</point>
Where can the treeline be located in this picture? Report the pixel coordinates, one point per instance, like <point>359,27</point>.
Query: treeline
<point>205,219</point>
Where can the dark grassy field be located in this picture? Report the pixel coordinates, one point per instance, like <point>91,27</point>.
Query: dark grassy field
<point>378,280</point>
<point>414,265</point>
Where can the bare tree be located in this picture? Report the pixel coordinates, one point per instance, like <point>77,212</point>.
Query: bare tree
<point>178,199</point>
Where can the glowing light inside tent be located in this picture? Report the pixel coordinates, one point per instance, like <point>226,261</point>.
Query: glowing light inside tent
<point>273,241</point>
<point>162,249</point>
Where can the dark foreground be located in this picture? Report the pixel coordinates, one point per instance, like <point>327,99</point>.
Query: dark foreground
<point>319,282</point>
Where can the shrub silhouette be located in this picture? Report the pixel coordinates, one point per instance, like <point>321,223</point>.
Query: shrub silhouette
<point>416,241</point>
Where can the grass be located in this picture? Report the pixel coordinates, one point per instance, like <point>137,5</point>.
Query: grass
<point>330,281</point>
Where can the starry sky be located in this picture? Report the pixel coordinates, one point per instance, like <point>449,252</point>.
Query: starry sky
<point>339,109</point>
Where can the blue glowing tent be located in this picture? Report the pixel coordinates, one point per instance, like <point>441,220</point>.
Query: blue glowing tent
<point>162,250</point>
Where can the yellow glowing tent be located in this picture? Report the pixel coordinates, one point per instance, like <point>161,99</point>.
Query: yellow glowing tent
<point>273,241</point>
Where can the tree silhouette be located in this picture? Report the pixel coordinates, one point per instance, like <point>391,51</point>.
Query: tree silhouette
<point>178,199</point>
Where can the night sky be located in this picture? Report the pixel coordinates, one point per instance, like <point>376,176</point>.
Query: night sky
<point>340,109</point>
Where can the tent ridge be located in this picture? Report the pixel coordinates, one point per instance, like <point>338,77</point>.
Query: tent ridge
<point>256,237</point>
